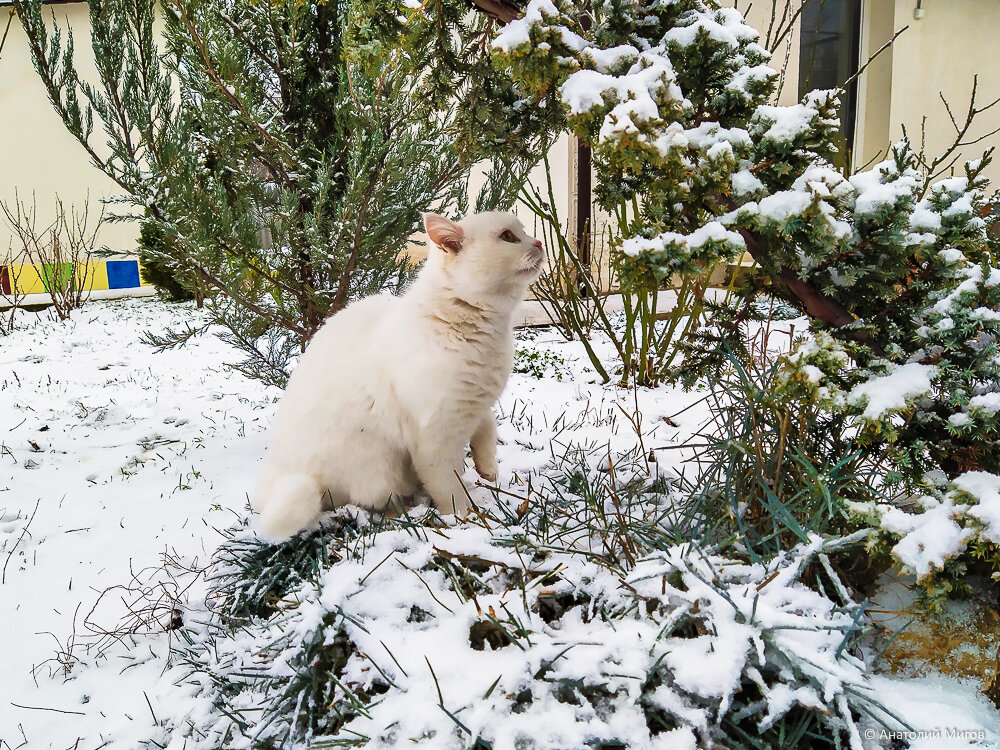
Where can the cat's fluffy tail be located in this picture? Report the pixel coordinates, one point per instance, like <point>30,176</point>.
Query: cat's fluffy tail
<point>287,504</point>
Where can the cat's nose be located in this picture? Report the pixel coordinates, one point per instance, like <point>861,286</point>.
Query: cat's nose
<point>538,244</point>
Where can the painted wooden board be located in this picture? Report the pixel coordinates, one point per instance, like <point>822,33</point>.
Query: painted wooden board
<point>92,276</point>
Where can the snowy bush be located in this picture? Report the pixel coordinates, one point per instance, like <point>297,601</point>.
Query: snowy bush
<point>698,167</point>
<point>774,464</point>
<point>937,534</point>
<point>577,617</point>
<point>663,93</point>
<point>935,525</point>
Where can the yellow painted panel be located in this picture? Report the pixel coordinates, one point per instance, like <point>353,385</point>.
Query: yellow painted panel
<point>27,280</point>
<point>96,276</point>
<point>142,280</point>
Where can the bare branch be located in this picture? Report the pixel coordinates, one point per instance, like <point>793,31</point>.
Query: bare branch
<point>10,20</point>
<point>948,110</point>
<point>949,157</point>
<point>785,26</point>
<point>61,252</point>
<point>874,56</point>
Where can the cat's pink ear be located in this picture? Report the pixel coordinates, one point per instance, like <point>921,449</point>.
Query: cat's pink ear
<point>443,232</point>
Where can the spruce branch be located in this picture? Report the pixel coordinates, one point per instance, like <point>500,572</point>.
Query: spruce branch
<point>814,301</point>
<point>229,90</point>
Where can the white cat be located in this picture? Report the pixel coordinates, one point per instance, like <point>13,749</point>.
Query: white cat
<point>391,389</point>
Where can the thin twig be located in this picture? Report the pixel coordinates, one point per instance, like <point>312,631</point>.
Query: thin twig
<point>10,20</point>
<point>3,577</point>
<point>45,708</point>
<point>872,58</point>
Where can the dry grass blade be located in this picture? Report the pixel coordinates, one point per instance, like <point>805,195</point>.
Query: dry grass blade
<point>24,531</point>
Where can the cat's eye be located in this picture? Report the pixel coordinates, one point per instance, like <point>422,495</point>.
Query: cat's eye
<point>509,236</point>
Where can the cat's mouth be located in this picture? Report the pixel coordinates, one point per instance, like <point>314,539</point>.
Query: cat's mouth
<point>534,265</point>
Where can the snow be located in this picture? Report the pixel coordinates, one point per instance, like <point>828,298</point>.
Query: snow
<point>745,182</point>
<point>781,206</point>
<point>720,151</point>
<point>985,488</point>
<point>781,699</point>
<point>741,80</point>
<point>813,373</point>
<point>939,711</point>
<point>825,181</point>
<point>713,231</point>
<point>890,392</point>
<point>751,613</point>
<point>637,91</point>
<point>925,217</point>
<point>685,36</point>
<point>929,539</point>
<point>973,278</point>
<point>732,20</point>
<point>139,455</point>
<point>516,33</point>
<point>960,207</point>
<point>784,204</point>
<point>967,507</point>
<point>725,25</point>
<point>709,134</point>
<point>142,455</point>
<point>952,255</point>
<point>605,59</point>
<point>716,141</point>
<point>786,123</point>
<point>882,187</point>
<point>950,186</point>
<point>987,315</point>
<point>987,402</point>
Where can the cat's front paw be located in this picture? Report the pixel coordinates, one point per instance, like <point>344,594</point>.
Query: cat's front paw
<point>488,472</point>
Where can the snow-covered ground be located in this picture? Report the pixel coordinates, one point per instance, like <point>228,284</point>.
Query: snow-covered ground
<point>131,455</point>
<point>114,457</point>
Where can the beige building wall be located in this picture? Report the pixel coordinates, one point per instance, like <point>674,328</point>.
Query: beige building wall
<point>872,135</point>
<point>39,157</point>
<point>941,54</point>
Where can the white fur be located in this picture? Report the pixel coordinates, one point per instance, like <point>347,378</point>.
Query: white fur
<point>391,389</point>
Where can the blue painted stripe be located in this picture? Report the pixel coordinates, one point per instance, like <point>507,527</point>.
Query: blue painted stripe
<point>123,274</point>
